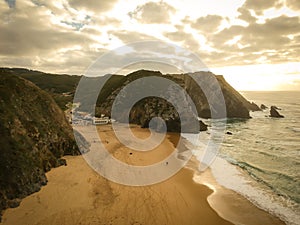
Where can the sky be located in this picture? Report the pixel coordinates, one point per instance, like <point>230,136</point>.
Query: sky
<point>255,44</point>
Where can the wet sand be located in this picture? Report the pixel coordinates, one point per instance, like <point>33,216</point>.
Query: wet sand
<point>76,194</point>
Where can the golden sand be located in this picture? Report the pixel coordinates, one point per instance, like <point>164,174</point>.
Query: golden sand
<point>76,194</point>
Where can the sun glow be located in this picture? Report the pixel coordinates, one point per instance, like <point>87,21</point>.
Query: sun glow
<point>253,82</point>
<point>263,77</point>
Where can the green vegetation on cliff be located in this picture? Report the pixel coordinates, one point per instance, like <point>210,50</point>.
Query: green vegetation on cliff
<point>34,136</point>
<point>61,87</point>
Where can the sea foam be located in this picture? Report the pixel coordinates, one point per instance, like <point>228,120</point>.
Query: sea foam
<point>233,178</point>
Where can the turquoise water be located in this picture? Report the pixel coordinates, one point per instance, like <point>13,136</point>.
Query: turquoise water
<point>261,159</point>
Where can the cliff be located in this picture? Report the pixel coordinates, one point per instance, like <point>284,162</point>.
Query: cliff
<point>146,109</point>
<point>34,137</point>
<point>57,85</point>
<point>236,105</point>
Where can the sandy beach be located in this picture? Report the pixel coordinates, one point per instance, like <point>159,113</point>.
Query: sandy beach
<point>76,194</point>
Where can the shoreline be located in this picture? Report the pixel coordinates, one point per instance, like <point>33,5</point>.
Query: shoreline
<point>253,191</point>
<point>76,194</point>
<point>221,198</point>
<point>234,206</point>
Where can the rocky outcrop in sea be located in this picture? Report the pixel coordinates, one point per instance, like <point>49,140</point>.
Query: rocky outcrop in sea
<point>275,113</point>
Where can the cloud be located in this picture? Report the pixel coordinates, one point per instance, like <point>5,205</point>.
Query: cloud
<point>282,25</point>
<point>219,39</point>
<point>270,35</point>
<point>130,36</point>
<point>245,15</point>
<point>38,36</point>
<point>93,5</point>
<point>68,61</point>
<point>259,6</point>
<point>153,12</point>
<point>293,4</point>
<point>29,36</point>
<point>71,61</point>
<point>208,24</point>
<point>270,42</point>
<point>185,39</point>
<point>67,35</point>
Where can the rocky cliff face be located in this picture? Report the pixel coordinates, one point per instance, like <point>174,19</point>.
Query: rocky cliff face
<point>236,105</point>
<point>275,113</point>
<point>34,136</point>
<point>146,109</point>
<point>56,85</point>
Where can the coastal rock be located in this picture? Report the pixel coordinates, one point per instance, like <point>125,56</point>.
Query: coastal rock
<point>236,106</point>
<point>145,111</point>
<point>275,113</point>
<point>34,136</point>
<point>203,126</point>
<point>275,107</point>
<point>253,107</point>
<point>263,107</point>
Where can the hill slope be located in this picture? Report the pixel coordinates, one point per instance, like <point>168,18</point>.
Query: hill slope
<point>34,137</point>
<point>61,87</point>
<point>146,109</point>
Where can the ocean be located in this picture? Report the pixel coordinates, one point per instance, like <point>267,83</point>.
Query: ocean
<point>261,159</point>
